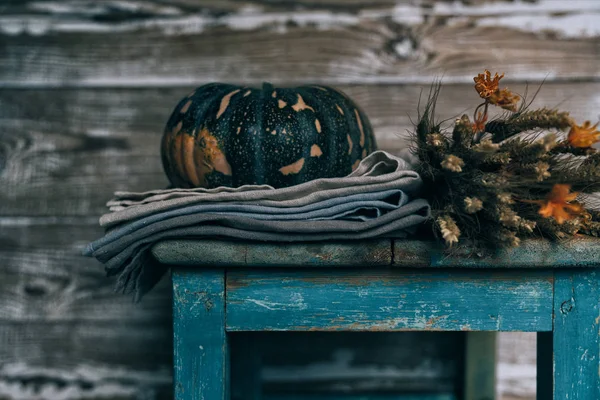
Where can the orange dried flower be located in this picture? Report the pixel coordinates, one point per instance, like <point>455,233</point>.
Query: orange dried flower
<point>506,99</point>
<point>486,85</point>
<point>583,135</point>
<point>560,204</point>
<point>479,125</point>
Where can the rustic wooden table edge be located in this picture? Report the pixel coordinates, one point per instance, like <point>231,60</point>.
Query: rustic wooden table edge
<point>533,253</point>
<point>534,287</point>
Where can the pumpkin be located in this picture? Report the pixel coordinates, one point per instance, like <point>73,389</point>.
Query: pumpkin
<point>226,135</point>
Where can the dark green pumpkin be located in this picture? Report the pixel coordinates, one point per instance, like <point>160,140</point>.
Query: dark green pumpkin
<point>225,135</point>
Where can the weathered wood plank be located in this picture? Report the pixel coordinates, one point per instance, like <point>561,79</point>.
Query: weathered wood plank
<point>389,300</point>
<point>78,146</point>
<point>20,381</point>
<point>577,335</point>
<point>201,348</point>
<point>65,345</point>
<point>206,253</point>
<point>150,43</point>
<point>533,253</point>
<point>45,278</point>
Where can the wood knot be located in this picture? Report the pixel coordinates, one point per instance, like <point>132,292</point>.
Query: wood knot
<point>567,306</point>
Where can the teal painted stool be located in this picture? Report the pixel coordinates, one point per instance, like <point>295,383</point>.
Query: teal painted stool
<point>222,287</point>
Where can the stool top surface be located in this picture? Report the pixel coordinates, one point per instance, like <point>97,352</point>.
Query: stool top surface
<point>532,253</point>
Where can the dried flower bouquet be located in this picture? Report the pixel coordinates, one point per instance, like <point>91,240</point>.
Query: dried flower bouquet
<point>524,173</point>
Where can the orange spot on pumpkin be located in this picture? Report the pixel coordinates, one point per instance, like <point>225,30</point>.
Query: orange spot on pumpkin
<point>247,93</point>
<point>301,105</point>
<point>186,107</point>
<point>239,128</point>
<point>355,165</point>
<point>360,127</point>
<point>315,151</point>
<point>274,94</point>
<point>281,103</point>
<point>178,155</point>
<point>187,156</point>
<point>364,153</point>
<point>318,125</point>
<point>177,128</point>
<point>208,157</point>
<point>225,102</point>
<point>340,109</point>
<point>350,144</point>
<point>293,168</point>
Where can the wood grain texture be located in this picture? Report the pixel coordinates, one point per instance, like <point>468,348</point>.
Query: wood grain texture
<point>533,253</point>
<point>64,44</point>
<point>207,253</point>
<point>201,347</point>
<point>76,147</point>
<point>389,300</point>
<point>45,278</point>
<point>577,335</point>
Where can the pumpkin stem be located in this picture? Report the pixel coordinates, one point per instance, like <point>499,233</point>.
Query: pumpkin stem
<point>267,87</point>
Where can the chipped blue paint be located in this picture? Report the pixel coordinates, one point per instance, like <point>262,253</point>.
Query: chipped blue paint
<point>199,339</point>
<point>389,300</point>
<point>530,288</point>
<point>576,335</point>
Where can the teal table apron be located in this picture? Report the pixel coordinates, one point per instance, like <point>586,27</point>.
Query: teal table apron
<point>221,287</point>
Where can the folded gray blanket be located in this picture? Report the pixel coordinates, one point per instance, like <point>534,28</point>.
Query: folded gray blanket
<point>373,201</point>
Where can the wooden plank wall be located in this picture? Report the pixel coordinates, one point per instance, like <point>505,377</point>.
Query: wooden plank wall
<point>87,85</point>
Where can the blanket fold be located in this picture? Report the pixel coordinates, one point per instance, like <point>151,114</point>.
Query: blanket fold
<point>378,199</point>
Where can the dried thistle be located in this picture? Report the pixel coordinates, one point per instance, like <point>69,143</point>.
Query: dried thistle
<point>453,163</point>
<point>486,146</point>
<point>473,205</point>
<point>505,198</point>
<point>541,170</point>
<point>508,217</point>
<point>509,238</point>
<point>435,140</point>
<point>449,229</point>
<point>520,179</point>
<point>462,135</point>
<point>527,226</point>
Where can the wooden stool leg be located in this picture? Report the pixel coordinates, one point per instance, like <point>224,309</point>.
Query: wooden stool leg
<point>576,335</point>
<point>200,342</point>
<point>480,368</point>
